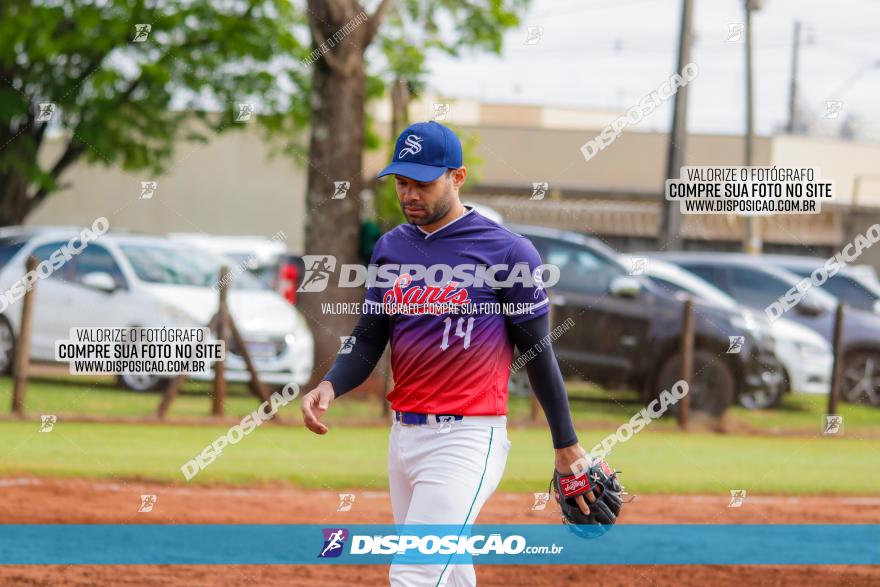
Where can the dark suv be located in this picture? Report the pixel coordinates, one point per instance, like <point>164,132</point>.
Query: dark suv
<point>627,331</point>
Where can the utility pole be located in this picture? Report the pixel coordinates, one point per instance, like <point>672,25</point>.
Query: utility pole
<point>752,244</point>
<point>792,91</point>
<point>670,222</point>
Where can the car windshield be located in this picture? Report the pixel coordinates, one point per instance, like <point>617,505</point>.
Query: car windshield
<point>815,296</point>
<point>174,265</point>
<point>861,278</point>
<point>858,281</point>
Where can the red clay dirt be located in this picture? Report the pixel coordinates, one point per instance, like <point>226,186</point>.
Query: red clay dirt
<point>36,500</point>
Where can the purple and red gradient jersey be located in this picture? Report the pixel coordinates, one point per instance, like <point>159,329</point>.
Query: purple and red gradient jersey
<point>455,362</point>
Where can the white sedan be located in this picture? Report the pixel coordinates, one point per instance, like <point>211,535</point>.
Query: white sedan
<point>121,280</point>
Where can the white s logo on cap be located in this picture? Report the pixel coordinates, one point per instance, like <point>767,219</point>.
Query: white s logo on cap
<point>413,146</point>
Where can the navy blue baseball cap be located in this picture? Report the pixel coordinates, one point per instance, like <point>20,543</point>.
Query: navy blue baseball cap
<point>424,151</point>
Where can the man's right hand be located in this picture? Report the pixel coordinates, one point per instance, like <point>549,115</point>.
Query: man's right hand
<point>314,404</point>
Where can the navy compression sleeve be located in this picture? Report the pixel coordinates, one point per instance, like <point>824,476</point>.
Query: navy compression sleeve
<point>545,377</point>
<point>351,369</point>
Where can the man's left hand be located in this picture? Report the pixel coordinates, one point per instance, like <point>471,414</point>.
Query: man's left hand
<point>568,456</point>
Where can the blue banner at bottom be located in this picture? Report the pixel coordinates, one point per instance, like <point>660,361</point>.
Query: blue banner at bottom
<point>527,544</point>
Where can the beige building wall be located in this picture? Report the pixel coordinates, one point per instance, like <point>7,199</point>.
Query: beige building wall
<point>518,156</point>
<point>228,186</point>
<point>853,166</point>
<point>521,144</point>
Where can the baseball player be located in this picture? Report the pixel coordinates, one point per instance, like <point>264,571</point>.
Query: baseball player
<point>448,441</point>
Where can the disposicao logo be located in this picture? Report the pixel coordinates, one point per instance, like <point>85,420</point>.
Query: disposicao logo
<point>334,541</point>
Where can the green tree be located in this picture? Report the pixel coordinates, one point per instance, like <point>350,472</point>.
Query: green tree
<point>125,81</point>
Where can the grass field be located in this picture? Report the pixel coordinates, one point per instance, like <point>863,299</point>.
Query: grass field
<point>355,457</point>
<point>590,405</point>
<point>659,459</point>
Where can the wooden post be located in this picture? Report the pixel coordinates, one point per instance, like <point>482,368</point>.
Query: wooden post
<point>219,403</point>
<point>256,386</point>
<point>837,370</point>
<point>687,360</point>
<point>174,387</point>
<point>22,346</point>
<point>169,395</point>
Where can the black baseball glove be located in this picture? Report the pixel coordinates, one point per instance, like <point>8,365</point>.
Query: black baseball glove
<point>601,479</point>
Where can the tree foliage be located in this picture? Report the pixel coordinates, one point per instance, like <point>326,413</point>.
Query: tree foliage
<point>123,94</point>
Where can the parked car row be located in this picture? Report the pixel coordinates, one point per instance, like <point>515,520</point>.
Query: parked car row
<point>759,283</point>
<point>627,330</point>
<point>790,354</point>
<point>805,356</point>
<point>140,280</point>
<point>627,312</point>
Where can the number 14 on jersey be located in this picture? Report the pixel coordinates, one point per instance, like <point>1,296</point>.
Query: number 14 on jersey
<point>461,331</point>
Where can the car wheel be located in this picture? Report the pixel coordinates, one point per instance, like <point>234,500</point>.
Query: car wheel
<point>767,397</point>
<point>712,388</point>
<point>142,382</point>
<point>861,378</point>
<point>7,347</point>
<point>518,384</point>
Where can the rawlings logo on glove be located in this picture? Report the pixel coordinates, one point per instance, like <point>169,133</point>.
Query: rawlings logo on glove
<point>572,485</point>
<point>601,480</point>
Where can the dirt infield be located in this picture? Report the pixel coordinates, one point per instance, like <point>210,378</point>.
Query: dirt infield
<point>34,500</point>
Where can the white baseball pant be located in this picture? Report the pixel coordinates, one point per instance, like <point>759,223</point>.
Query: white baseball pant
<point>443,473</point>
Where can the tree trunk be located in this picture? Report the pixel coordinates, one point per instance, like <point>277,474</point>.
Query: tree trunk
<point>400,99</point>
<point>14,206</point>
<point>18,198</point>
<point>335,154</point>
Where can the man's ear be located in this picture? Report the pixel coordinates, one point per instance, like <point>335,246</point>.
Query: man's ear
<point>458,176</point>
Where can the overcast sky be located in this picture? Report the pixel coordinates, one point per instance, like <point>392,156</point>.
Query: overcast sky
<point>608,54</point>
